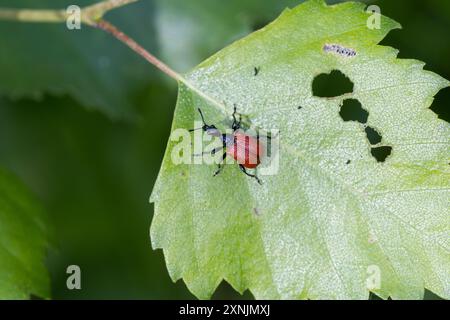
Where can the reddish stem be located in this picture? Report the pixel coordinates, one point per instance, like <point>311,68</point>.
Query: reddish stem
<point>106,26</point>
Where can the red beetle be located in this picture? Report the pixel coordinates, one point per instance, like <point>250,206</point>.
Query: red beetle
<point>246,149</point>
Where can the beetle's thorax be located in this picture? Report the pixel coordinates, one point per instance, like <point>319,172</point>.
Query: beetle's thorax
<point>228,139</point>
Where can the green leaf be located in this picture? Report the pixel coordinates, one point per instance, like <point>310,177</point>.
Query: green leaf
<point>325,225</point>
<point>88,64</point>
<point>23,242</point>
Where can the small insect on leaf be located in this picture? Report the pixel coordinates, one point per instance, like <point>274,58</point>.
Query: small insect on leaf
<point>246,149</point>
<point>340,50</point>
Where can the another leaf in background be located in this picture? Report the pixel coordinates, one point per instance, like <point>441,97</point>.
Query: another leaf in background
<point>88,64</point>
<point>334,213</point>
<point>23,242</point>
<point>93,175</point>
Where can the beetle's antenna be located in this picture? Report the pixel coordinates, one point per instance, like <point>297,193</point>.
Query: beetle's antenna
<point>204,123</point>
<point>201,115</point>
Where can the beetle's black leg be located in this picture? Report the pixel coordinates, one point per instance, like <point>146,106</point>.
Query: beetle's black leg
<point>220,165</point>
<point>234,118</point>
<point>236,124</point>
<point>212,152</point>
<point>268,137</point>
<point>249,174</point>
<point>224,145</point>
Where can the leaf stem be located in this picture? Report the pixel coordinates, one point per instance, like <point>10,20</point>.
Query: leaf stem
<point>28,15</point>
<point>89,14</point>
<point>133,45</point>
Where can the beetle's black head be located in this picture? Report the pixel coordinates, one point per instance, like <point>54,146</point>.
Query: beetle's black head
<point>212,130</point>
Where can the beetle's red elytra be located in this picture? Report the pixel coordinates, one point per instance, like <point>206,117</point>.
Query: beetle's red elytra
<point>246,149</point>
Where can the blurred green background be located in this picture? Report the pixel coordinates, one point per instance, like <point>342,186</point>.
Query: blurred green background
<point>84,123</point>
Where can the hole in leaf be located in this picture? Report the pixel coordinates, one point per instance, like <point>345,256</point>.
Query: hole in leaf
<point>373,136</point>
<point>348,161</point>
<point>440,104</point>
<point>351,110</point>
<point>381,153</point>
<point>331,84</point>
